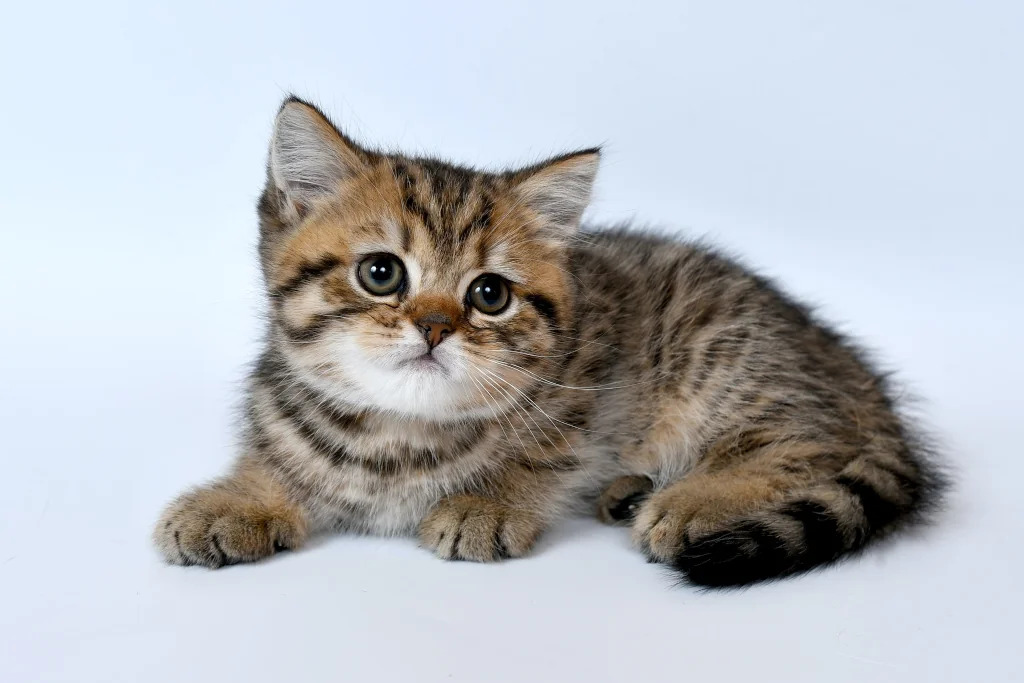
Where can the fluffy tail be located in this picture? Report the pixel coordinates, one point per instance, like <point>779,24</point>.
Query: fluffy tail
<point>814,528</point>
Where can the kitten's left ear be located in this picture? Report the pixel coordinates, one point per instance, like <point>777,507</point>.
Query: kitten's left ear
<point>559,189</point>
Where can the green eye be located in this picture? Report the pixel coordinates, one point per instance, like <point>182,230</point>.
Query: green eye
<point>381,274</point>
<point>489,294</point>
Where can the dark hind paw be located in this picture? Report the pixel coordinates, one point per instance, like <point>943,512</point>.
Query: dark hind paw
<point>621,501</point>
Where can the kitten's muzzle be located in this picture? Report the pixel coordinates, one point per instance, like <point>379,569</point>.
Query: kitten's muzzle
<point>435,328</point>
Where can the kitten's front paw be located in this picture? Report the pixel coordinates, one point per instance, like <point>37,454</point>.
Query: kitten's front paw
<point>212,528</point>
<point>475,528</point>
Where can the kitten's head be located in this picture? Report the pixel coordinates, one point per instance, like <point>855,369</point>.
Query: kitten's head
<point>411,285</point>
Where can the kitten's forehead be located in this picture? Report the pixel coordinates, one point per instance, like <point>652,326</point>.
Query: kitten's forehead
<point>444,220</point>
<point>452,219</point>
<point>448,206</point>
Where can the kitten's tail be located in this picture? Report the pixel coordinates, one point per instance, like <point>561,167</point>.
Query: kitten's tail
<point>815,527</point>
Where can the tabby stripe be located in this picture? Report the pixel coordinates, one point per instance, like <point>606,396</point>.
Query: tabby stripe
<point>293,477</point>
<point>408,187</point>
<point>664,306</point>
<point>276,379</point>
<point>328,410</point>
<point>307,272</point>
<point>405,180</point>
<point>414,207</point>
<point>286,470</point>
<point>335,452</point>
<point>556,466</point>
<point>704,370</point>
<point>465,184</point>
<point>752,440</point>
<point>272,367</point>
<point>456,186</point>
<point>544,306</point>
<point>578,417</point>
<point>878,510</point>
<point>727,452</point>
<point>423,459</point>
<point>907,485</point>
<point>481,221</point>
<point>312,330</point>
<point>680,361</point>
<point>406,237</point>
<point>823,539</point>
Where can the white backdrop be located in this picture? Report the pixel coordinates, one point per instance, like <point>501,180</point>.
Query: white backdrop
<point>868,154</point>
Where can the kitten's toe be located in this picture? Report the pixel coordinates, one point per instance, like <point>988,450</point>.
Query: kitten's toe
<point>212,531</point>
<point>479,529</point>
<point>662,526</point>
<point>621,501</point>
<point>672,519</point>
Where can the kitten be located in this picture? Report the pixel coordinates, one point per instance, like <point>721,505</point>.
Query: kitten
<point>449,355</point>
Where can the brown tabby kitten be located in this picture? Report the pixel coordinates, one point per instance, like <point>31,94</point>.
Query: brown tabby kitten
<point>448,355</point>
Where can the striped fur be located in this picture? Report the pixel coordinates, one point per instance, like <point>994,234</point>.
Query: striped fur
<point>652,381</point>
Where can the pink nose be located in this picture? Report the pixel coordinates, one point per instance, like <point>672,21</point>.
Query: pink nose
<point>435,327</point>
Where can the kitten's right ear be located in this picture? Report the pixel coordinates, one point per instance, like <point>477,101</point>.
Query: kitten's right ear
<point>309,157</point>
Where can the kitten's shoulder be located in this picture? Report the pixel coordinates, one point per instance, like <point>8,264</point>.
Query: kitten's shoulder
<point>631,261</point>
<point>628,247</point>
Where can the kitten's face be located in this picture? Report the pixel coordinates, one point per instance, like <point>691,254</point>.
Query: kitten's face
<point>411,286</point>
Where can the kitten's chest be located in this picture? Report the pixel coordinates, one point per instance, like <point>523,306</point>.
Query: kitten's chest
<point>390,477</point>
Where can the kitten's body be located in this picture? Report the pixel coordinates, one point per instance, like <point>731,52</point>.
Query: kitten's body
<point>652,381</point>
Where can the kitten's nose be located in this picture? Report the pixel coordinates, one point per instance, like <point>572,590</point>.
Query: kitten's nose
<point>435,327</point>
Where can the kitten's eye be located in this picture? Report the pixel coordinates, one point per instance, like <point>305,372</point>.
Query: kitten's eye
<point>381,274</point>
<point>489,294</point>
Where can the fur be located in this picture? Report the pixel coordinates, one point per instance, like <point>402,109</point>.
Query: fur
<point>652,382</point>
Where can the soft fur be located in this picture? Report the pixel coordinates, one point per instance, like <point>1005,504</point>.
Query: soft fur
<point>651,382</point>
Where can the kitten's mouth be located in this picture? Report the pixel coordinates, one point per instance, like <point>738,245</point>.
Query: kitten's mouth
<point>425,362</point>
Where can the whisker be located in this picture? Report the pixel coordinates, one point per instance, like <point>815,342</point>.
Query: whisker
<point>542,412</point>
<point>493,407</point>
<point>545,380</point>
<point>526,451</point>
<point>562,422</point>
<point>518,409</point>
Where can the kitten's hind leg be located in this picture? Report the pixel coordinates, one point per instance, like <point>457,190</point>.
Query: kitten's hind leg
<point>740,525</point>
<point>701,504</point>
<point>758,521</point>
<point>243,517</point>
<point>621,501</point>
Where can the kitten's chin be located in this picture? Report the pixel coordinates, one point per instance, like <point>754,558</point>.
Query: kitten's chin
<point>407,381</point>
<point>424,363</point>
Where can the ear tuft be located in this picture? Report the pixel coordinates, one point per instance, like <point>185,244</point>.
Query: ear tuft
<point>309,157</point>
<point>559,189</point>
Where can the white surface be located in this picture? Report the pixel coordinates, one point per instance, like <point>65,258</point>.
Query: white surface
<point>870,157</point>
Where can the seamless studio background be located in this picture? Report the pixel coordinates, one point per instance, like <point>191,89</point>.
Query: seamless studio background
<point>869,155</point>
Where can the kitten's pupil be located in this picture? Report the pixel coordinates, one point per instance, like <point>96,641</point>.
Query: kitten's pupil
<point>489,293</point>
<point>381,270</point>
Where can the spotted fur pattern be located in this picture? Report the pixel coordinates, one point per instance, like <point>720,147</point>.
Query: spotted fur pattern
<point>650,381</point>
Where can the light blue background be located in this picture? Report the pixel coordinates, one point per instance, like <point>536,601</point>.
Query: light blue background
<point>870,155</point>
